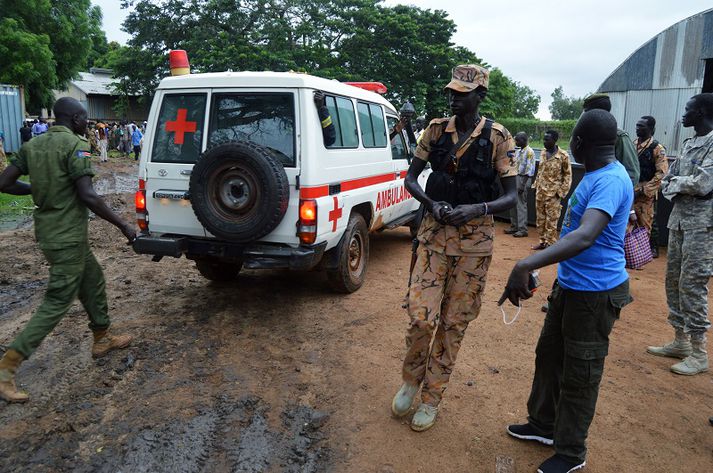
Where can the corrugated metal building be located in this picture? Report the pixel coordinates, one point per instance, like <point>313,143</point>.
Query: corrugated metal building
<point>12,112</point>
<point>660,77</point>
<point>95,91</point>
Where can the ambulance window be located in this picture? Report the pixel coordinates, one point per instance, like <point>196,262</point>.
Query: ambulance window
<point>398,144</point>
<point>342,112</point>
<point>373,128</point>
<point>267,119</point>
<point>179,132</point>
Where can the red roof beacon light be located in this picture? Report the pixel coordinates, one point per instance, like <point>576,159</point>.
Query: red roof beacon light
<point>178,62</point>
<point>377,87</point>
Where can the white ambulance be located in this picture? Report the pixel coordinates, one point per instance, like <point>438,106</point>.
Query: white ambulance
<point>235,174</point>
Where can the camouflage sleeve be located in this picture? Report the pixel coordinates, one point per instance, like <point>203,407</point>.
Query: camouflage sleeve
<point>504,153</point>
<point>78,162</point>
<point>698,183</point>
<point>651,188</point>
<point>423,149</point>
<point>566,175</point>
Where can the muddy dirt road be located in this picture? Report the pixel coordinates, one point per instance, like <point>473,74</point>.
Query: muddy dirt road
<point>275,373</point>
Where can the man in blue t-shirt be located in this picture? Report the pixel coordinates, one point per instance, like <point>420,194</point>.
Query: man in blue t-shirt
<point>591,288</point>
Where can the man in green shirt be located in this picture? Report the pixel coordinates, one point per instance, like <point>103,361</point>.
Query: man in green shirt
<point>61,174</point>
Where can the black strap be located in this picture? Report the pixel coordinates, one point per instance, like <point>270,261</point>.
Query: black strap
<point>460,141</point>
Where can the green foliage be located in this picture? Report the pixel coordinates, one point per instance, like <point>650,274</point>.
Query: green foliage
<point>44,44</point>
<point>563,107</point>
<point>407,48</point>
<point>536,129</point>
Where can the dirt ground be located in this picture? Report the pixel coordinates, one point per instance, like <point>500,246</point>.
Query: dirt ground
<point>275,373</point>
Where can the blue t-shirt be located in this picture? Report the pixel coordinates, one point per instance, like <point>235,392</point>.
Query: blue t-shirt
<point>602,266</point>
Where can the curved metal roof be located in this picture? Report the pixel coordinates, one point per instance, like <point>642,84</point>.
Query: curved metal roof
<point>672,59</point>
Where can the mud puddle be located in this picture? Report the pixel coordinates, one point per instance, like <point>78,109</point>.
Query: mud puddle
<point>16,295</point>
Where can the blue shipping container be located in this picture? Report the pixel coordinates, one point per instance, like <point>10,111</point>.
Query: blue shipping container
<point>11,115</point>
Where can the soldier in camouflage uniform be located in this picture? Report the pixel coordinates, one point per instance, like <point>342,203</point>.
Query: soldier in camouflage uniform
<point>653,165</point>
<point>554,177</point>
<point>456,239</point>
<point>689,185</point>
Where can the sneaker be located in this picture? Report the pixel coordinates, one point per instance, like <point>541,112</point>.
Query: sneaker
<point>403,400</point>
<point>557,464</point>
<point>520,234</point>
<point>424,418</point>
<point>527,432</point>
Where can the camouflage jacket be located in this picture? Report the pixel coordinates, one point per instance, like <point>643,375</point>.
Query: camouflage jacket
<point>689,184</point>
<point>476,237</point>
<point>651,188</point>
<point>554,175</point>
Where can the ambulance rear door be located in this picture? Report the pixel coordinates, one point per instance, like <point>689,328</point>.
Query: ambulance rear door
<point>177,140</point>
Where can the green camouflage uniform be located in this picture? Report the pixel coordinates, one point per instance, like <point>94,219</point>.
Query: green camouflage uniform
<point>54,161</point>
<point>552,183</point>
<point>625,153</point>
<point>449,277</point>
<point>689,185</point>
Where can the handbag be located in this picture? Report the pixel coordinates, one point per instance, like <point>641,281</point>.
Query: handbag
<point>637,249</point>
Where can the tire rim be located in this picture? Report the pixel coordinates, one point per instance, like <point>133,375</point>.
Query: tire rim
<point>356,255</point>
<point>234,190</point>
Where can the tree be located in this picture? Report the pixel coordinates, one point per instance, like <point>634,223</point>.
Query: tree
<point>563,107</point>
<point>43,44</point>
<point>407,48</point>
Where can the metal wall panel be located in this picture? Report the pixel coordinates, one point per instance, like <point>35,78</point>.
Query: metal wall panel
<point>618,107</point>
<point>11,116</point>
<point>638,103</point>
<point>665,109</point>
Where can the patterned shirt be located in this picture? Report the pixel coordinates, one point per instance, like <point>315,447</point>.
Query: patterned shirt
<point>476,237</point>
<point>525,159</point>
<point>651,188</point>
<point>689,184</point>
<point>554,176</point>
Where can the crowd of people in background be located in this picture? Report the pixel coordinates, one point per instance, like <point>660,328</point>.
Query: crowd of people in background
<point>124,136</point>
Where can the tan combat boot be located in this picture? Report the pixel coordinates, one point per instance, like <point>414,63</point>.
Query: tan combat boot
<point>680,347</point>
<point>105,342</point>
<point>697,362</point>
<point>8,366</point>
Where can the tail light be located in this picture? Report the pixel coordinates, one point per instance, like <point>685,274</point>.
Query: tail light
<point>307,226</point>
<point>141,214</point>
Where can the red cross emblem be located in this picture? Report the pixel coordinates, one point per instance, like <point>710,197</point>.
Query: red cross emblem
<point>180,126</point>
<point>335,214</point>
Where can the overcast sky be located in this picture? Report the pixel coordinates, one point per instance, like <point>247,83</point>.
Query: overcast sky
<point>542,44</point>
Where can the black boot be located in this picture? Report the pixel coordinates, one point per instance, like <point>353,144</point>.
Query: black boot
<point>654,250</point>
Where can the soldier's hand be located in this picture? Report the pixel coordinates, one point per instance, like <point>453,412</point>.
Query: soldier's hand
<point>440,211</point>
<point>129,232</point>
<point>516,287</point>
<point>319,98</point>
<point>464,214</point>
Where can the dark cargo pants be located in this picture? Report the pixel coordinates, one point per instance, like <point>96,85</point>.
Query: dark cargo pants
<point>569,364</point>
<point>74,271</point>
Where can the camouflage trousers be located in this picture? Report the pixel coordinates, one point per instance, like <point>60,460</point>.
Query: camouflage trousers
<point>444,297</point>
<point>689,267</point>
<point>644,208</point>
<point>548,215</point>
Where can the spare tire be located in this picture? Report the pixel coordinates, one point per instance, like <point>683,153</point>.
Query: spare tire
<point>239,191</point>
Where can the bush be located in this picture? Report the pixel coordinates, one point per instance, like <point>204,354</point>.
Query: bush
<point>536,129</point>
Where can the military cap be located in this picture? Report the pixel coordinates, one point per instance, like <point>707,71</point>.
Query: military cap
<point>591,101</point>
<point>467,77</point>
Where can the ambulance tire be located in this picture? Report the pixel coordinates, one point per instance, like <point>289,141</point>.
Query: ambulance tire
<point>218,271</point>
<point>352,257</point>
<point>239,191</point>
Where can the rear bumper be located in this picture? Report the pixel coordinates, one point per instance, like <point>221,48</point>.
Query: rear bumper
<point>253,256</point>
